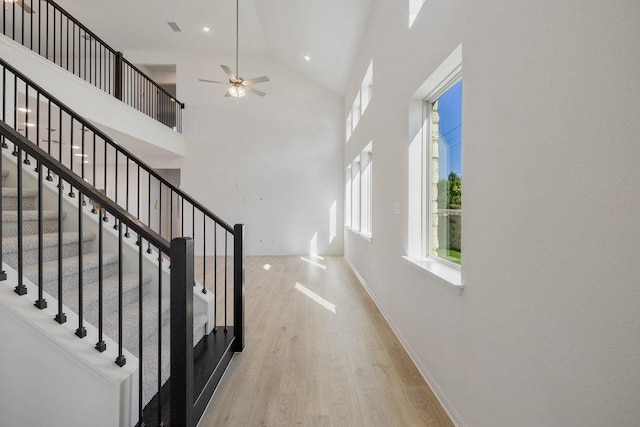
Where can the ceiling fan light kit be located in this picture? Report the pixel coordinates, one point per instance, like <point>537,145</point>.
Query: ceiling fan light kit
<point>239,87</point>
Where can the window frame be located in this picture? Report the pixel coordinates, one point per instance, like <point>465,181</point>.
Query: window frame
<point>427,171</point>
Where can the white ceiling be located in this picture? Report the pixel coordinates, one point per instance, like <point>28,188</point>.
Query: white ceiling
<point>329,31</point>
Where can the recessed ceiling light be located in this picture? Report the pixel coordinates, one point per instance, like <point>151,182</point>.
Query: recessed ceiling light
<point>81,155</point>
<point>77,147</point>
<point>29,125</point>
<point>307,58</point>
<point>206,29</point>
<point>24,110</point>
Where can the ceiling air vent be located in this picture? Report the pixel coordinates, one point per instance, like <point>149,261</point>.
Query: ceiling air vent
<point>174,27</point>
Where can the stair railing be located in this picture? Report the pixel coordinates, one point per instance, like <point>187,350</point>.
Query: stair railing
<point>49,30</point>
<point>186,403</point>
<point>135,187</point>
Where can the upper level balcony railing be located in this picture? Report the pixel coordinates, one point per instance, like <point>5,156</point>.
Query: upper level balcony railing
<point>49,30</point>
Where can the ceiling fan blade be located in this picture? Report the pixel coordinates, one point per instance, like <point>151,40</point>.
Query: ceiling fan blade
<point>214,81</point>
<point>24,7</point>
<point>229,73</point>
<point>254,91</point>
<point>256,80</point>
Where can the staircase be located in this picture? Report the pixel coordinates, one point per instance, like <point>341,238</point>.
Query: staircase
<point>152,316</point>
<point>119,280</point>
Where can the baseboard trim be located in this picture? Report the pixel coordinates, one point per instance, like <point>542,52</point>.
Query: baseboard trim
<point>431,382</point>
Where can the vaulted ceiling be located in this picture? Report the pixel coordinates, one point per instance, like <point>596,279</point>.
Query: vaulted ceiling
<point>329,31</point>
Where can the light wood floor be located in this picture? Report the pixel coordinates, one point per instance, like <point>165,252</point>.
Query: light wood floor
<point>306,365</point>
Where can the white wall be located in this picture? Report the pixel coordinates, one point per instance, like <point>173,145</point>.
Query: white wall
<point>283,175</point>
<point>546,331</point>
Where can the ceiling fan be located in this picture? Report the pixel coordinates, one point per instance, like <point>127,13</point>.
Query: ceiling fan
<point>238,86</point>
<point>20,3</point>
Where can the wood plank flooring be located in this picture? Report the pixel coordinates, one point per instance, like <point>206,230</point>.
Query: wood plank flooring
<point>305,364</point>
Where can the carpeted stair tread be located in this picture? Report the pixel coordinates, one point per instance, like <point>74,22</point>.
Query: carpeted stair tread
<point>110,287</point>
<point>13,192</point>
<point>29,215</point>
<point>69,266</point>
<point>30,241</point>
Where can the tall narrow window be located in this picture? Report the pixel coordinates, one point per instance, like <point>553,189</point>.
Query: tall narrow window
<point>355,194</point>
<point>445,176</point>
<point>366,90</point>
<point>347,198</point>
<point>349,126</point>
<point>356,112</point>
<point>365,191</point>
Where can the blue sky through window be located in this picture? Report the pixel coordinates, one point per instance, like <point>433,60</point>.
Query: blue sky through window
<point>450,110</point>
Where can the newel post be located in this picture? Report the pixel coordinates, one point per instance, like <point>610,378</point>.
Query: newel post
<point>182,331</point>
<point>238,287</point>
<point>117,76</point>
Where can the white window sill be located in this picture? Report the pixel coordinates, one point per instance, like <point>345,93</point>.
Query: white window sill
<point>356,232</point>
<point>447,277</point>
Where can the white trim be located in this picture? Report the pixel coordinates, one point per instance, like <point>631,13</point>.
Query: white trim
<point>448,277</point>
<point>448,407</point>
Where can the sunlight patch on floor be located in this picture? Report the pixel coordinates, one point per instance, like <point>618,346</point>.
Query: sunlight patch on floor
<point>317,298</point>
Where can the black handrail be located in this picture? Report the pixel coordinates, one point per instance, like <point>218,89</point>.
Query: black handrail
<point>87,124</point>
<point>97,62</point>
<point>85,188</point>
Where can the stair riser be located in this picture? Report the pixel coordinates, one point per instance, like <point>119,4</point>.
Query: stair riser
<point>48,254</point>
<point>10,228</point>
<point>11,203</point>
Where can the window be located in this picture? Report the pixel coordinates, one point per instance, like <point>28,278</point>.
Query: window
<point>358,190</point>
<point>366,89</point>
<point>356,111</point>
<point>365,191</point>
<point>444,178</point>
<point>347,198</point>
<point>360,104</point>
<point>434,202</point>
<point>355,194</point>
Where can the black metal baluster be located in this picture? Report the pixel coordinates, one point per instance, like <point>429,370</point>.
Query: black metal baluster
<point>54,36</point>
<point>67,44</point>
<point>41,303</point>
<point>171,214</point>
<point>81,331</point>
<point>226,328</point>
<point>73,49</point>
<point>31,25</point>
<point>204,253</point>
<point>120,360</point>
<point>160,208</point>
<point>140,332</point>
<point>100,345</point>
<point>238,287</point>
<point>3,274</point>
<point>93,166</point>
<point>20,289</point>
<point>115,223</point>
<point>4,101</point>
<point>105,218</point>
<point>159,335</point>
<point>149,212</point>
<point>46,35</point>
<point>182,216</point>
<point>126,234</point>
<point>71,130</point>
<point>49,177</point>
<point>26,123</point>
<point>15,110</point>
<point>215,276</point>
<point>60,317</point>
<point>83,155</point>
